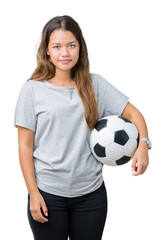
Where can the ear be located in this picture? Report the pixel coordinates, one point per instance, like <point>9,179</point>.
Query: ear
<point>47,51</point>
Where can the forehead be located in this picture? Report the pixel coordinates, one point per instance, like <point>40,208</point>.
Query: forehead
<point>61,36</point>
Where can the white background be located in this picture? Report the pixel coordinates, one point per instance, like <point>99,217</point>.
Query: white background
<point>126,45</point>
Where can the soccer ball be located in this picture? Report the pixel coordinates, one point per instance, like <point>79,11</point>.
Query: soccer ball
<point>114,140</point>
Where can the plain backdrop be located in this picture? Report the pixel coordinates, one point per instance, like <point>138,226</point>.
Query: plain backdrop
<point>126,45</point>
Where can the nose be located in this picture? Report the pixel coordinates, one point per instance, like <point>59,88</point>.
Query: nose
<point>65,52</point>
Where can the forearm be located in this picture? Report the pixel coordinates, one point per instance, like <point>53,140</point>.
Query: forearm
<point>135,116</point>
<point>27,167</point>
<point>140,123</point>
<point>140,158</point>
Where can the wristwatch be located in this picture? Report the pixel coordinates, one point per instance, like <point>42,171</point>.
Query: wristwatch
<point>147,140</point>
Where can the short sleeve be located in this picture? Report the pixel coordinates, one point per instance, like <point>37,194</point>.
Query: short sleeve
<point>24,114</point>
<point>112,100</point>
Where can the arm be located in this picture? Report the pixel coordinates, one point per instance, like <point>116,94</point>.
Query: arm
<point>140,159</point>
<point>26,142</point>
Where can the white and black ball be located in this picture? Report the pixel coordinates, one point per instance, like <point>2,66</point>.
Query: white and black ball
<point>114,140</point>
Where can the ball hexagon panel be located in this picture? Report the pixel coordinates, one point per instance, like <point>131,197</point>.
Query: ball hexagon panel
<point>121,137</point>
<point>131,130</point>
<point>123,160</point>
<point>93,138</point>
<point>124,119</point>
<point>130,147</point>
<point>106,161</point>
<point>94,154</point>
<point>115,124</point>
<point>99,150</point>
<point>105,137</point>
<point>109,162</point>
<point>101,124</point>
<point>114,151</point>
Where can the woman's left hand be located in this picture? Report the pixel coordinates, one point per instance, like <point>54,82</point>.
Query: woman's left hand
<point>140,159</point>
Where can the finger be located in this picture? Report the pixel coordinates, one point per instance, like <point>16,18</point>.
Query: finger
<point>44,208</point>
<point>135,170</point>
<point>139,170</point>
<point>145,167</point>
<point>33,213</point>
<point>39,217</point>
<point>134,164</point>
<point>135,173</point>
<point>35,216</point>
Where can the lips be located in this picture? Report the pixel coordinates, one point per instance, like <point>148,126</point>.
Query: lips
<point>65,60</point>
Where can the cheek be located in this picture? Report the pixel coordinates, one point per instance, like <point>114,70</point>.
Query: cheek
<point>76,55</point>
<point>54,55</point>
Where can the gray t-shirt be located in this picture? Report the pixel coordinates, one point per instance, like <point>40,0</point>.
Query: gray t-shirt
<point>63,161</point>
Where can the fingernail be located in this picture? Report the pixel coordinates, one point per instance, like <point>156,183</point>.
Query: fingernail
<point>46,214</point>
<point>132,169</point>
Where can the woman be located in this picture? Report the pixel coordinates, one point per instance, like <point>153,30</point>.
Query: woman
<point>56,109</point>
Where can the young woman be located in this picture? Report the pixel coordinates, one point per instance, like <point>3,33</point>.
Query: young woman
<point>55,112</point>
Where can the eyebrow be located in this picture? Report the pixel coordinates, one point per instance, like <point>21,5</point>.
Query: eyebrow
<point>68,42</point>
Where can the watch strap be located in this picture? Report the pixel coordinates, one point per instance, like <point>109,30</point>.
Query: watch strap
<point>147,141</point>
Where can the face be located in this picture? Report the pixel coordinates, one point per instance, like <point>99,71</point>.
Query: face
<point>63,46</point>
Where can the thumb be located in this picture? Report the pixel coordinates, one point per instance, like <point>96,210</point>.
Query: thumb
<point>44,208</point>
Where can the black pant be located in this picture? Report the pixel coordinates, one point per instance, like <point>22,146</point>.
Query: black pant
<point>79,218</point>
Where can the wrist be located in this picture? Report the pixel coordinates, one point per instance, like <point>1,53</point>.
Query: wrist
<point>34,192</point>
<point>147,140</point>
<point>143,145</point>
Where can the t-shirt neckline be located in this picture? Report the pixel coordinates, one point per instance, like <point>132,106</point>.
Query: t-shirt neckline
<point>57,87</point>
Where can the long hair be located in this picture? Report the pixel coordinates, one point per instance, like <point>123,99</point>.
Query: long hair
<point>80,72</point>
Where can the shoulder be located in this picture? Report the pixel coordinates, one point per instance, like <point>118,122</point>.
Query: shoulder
<point>31,85</point>
<point>98,80</point>
<point>94,76</point>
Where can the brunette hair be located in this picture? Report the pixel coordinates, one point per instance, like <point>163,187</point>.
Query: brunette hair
<point>80,72</point>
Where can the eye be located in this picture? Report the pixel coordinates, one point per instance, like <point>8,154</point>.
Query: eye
<point>72,45</point>
<point>56,47</point>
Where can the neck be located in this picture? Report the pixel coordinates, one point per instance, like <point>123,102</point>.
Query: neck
<point>62,76</point>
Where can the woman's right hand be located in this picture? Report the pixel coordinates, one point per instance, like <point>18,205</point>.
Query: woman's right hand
<point>36,203</point>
